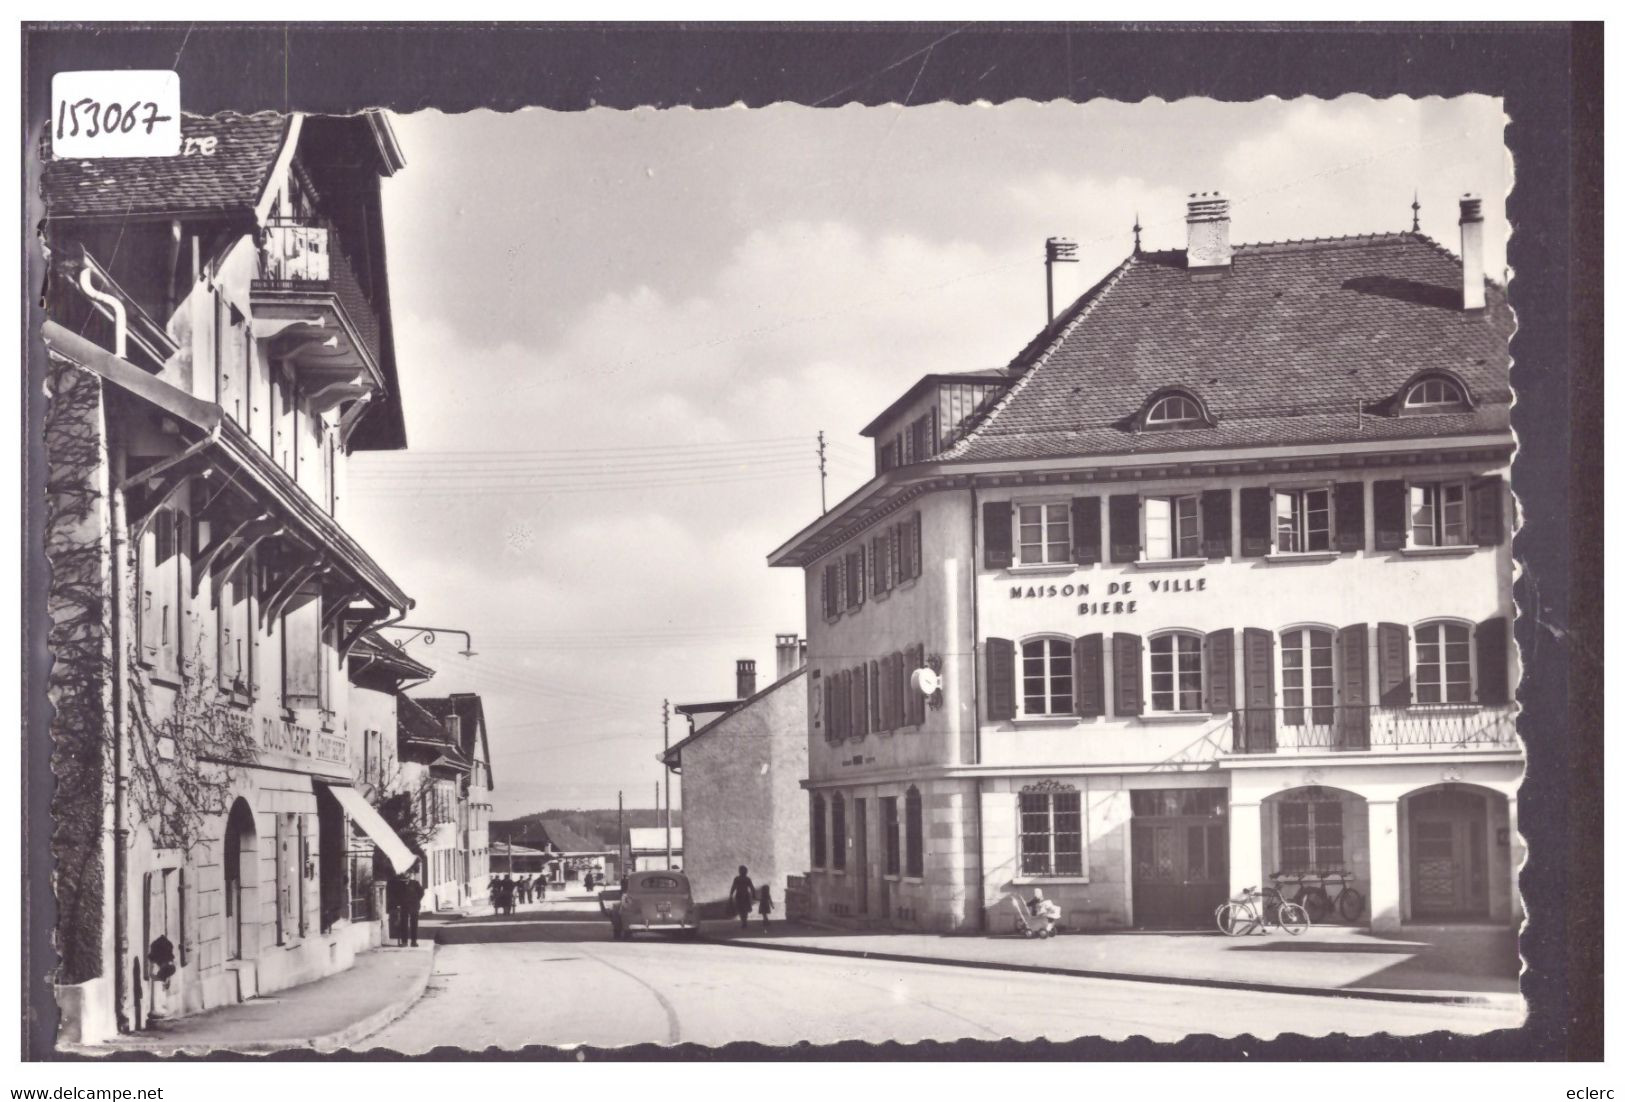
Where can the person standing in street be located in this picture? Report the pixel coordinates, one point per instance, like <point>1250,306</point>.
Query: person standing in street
<point>764,896</point>
<point>742,895</point>
<point>411,900</point>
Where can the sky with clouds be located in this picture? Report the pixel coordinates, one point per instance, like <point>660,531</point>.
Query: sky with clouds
<point>619,334</point>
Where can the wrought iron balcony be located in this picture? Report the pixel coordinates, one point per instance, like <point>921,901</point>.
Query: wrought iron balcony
<point>1359,727</point>
<point>310,297</point>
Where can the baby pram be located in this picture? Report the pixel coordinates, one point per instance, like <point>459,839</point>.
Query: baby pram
<point>1031,925</point>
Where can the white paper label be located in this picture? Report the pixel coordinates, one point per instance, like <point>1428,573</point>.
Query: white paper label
<point>115,113</point>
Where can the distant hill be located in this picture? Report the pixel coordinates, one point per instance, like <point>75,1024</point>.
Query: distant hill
<point>597,825</point>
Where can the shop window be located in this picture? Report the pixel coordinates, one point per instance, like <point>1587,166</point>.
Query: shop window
<point>837,830</point>
<point>1444,663</point>
<point>914,833</point>
<point>1051,831</point>
<point>1176,672</point>
<point>1438,514</point>
<point>1311,835</point>
<point>1303,520</point>
<point>1173,527</point>
<point>1044,533</point>
<point>819,841</point>
<point>1046,677</point>
<point>893,833</point>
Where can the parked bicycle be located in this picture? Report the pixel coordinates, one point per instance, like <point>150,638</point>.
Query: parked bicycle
<point>1258,910</point>
<point>1315,893</point>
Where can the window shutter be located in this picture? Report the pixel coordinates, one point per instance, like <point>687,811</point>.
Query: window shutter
<point>829,709</point>
<point>824,592</point>
<point>899,689</point>
<point>905,681</point>
<point>1258,684</point>
<point>883,692</point>
<point>1216,524</point>
<point>1393,663</point>
<point>1221,670</point>
<point>1492,661</point>
<point>1001,679</point>
<point>225,670</point>
<point>1086,530</point>
<point>915,554</point>
<point>997,524</point>
<point>1388,514</point>
<point>1088,675</point>
<point>877,718</point>
<point>1124,522</point>
<point>860,700</point>
<point>1126,670</point>
<point>1489,526</point>
<point>1354,674</point>
<point>1255,521</point>
<point>1349,507</point>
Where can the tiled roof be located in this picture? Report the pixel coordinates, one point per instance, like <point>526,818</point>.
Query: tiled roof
<point>417,724</point>
<point>1298,343</point>
<point>229,180</point>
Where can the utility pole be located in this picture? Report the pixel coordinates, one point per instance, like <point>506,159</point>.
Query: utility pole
<point>823,501</point>
<point>620,832</point>
<point>1057,250</point>
<point>665,736</point>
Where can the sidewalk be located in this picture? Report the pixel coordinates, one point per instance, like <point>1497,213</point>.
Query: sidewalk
<point>1467,965</point>
<point>325,1015</point>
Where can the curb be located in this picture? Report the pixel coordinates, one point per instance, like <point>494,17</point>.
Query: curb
<point>1377,994</point>
<point>327,1042</point>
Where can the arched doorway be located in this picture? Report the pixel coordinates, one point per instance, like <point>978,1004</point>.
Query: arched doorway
<point>1448,852</point>
<point>241,864</point>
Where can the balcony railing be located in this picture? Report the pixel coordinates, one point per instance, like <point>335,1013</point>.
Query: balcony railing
<point>1358,727</point>
<point>307,255</point>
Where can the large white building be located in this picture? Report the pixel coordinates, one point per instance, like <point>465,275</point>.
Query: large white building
<point>1215,578</point>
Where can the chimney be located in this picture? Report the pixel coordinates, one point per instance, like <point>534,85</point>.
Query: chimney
<point>745,676</point>
<point>1472,252</point>
<point>1207,230</point>
<point>787,646</point>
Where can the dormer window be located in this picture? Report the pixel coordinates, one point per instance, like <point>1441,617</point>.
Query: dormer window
<point>1434,393</point>
<point>1174,409</point>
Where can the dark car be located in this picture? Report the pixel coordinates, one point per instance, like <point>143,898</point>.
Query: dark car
<point>651,901</point>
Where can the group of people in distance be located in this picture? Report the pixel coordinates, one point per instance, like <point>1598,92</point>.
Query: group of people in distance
<point>507,891</point>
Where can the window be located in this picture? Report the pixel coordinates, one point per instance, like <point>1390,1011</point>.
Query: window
<point>881,566</point>
<point>1444,668</point>
<point>1433,393</point>
<point>1303,520</point>
<point>819,842</point>
<point>1176,672</point>
<point>1311,835</point>
<point>1438,514</point>
<point>894,842</point>
<point>1173,527</point>
<point>914,833</point>
<point>1051,832</point>
<point>1172,411</point>
<point>1045,533</point>
<point>1046,677</point>
<point>1306,676</point>
<point>837,830</point>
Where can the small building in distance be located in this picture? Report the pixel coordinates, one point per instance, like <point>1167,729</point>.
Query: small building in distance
<point>741,771</point>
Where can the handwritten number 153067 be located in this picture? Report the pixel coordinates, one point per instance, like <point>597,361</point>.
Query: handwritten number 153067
<point>112,118</point>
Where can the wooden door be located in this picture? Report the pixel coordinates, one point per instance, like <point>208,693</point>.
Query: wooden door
<point>1449,858</point>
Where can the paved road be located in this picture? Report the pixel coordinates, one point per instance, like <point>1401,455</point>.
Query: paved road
<point>561,980</point>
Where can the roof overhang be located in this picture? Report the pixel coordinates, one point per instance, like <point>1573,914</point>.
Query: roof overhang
<point>888,492</point>
<point>218,445</point>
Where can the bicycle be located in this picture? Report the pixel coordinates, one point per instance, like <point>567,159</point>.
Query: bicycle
<point>1314,898</point>
<point>1244,915</point>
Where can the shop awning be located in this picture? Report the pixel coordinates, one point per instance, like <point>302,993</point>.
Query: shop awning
<point>372,824</point>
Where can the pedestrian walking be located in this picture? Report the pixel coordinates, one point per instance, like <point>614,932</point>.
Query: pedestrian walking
<point>588,880</point>
<point>524,889</point>
<point>742,895</point>
<point>764,902</point>
<point>411,901</point>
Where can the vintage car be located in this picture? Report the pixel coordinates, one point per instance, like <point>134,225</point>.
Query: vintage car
<point>651,901</point>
